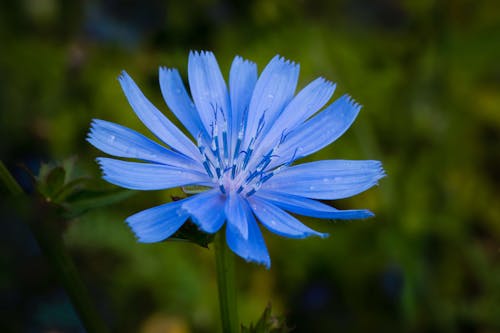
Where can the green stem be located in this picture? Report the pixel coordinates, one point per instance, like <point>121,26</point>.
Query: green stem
<point>52,246</point>
<point>226,284</point>
<point>45,226</point>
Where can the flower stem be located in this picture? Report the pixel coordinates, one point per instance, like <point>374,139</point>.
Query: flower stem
<point>226,284</point>
<point>44,223</point>
<point>51,244</point>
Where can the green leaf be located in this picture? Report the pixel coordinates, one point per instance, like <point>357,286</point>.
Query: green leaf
<point>50,180</point>
<point>267,324</point>
<point>74,196</point>
<point>71,188</point>
<point>189,232</point>
<point>85,200</point>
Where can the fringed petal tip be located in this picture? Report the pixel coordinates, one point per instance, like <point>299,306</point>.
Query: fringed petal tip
<point>325,81</point>
<point>379,173</point>
<point>201,53</point>
<point>350,101</point>
<point>367,214</point>
<point>100,162</point>
<point>94,123</point>
<point>266,262</point>
<point>353,214</point>
<point>285,61</point>
<point>323,235</point>
<point>166,69</point>
<point>95,126</point>
<point>123,76</point>
<point>134,225</point>
<point>244,61</point>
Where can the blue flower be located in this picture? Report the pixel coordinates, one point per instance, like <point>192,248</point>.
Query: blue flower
<point>245,141</point>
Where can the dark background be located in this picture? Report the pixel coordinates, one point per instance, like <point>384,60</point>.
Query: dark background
<point>428,76</point>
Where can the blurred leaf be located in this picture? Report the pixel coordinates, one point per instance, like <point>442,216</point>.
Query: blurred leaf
<point>85,200</point>
<point>50,178</point>
<point>75,196</point>
<point>267,324</point>
<point>70,188</point>
<point>53,182</point>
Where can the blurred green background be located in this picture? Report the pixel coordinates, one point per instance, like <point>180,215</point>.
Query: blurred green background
<point>428,76</point>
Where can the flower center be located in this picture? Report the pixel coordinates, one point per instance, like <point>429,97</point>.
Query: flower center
<point>231,168</point>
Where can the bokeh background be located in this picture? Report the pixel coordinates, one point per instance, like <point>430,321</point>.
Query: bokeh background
<point>428,76</point>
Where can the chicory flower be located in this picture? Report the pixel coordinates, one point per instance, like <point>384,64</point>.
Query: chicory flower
<point>244,143</point>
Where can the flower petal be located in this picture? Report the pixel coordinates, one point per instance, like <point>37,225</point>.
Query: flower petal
<point>208,88</point>
<point>319,131</point>
<point>121,141</point>
<point>280,222</point>
<point>329,179</point>
<point>207,210</point>
<point>156,121</point>
<point>235,212</point>
<point>177,99</point>
<point>158,223</point>
<point>242,79</point>
<point>273,90</point>
<point>309,207</point>
<point>147,176</point>
<point>253,248</point>
<point>307,102</point>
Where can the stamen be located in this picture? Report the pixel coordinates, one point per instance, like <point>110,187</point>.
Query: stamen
<point>206,165</point>
<point>238,144</point>
<point>248,153</point>
<point>224,142</point>
<point>260,125</point>
<point>266,160</point>
<point>252,175</point>
<point>216,148</point>
<point>265,178</point>
<point>283,136</point>
<point>221,187</point>
<point>252,191</point>
<point>215,141</point>
<point>233,171</point>
<point>293,157</point>
<point>247,158</point>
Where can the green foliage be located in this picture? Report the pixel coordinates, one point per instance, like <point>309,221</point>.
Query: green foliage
<point>267,324</point>
<point>75,196</point>
<point>189,232</point>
